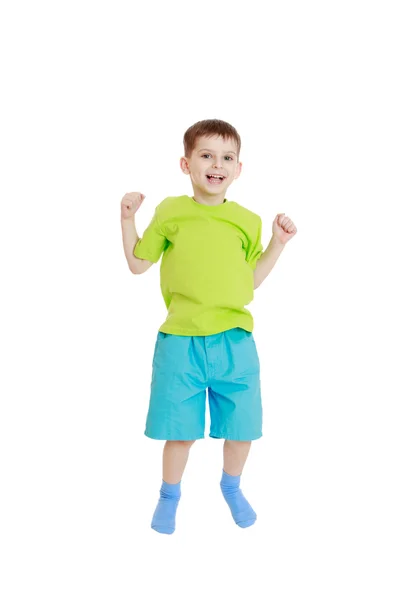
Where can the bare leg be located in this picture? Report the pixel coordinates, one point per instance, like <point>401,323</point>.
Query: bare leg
<point>235,456</point>
<point>175,455</point>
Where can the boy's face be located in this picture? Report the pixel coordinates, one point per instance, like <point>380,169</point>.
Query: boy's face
<point>212,156</point>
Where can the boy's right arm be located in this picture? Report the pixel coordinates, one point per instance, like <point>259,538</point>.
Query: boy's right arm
<point>129,205</point>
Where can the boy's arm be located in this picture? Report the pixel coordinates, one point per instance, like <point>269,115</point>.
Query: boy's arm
<point>267,260</point>
<point>283,230</point>
<point>130,239</point>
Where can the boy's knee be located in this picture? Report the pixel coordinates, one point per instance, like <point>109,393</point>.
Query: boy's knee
<point>188,443</point>
<point>184,443</point>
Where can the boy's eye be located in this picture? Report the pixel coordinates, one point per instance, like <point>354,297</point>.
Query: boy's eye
<point>205,155</point>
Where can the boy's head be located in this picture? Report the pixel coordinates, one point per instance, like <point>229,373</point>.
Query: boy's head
<point>212,149</point>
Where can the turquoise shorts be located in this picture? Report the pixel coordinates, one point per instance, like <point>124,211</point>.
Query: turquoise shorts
<point>225,364</point>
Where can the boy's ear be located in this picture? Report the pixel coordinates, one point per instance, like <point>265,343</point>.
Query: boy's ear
<point>238,170</point>
<point>184,165</point>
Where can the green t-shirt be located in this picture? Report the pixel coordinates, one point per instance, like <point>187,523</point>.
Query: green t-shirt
<point>207,269</point>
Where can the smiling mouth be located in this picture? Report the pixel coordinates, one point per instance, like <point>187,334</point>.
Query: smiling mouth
<point>215,178</point>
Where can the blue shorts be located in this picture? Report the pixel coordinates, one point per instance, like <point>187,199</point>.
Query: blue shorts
<point>184,367</point>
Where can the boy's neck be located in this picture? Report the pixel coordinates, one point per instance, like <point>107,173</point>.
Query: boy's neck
<point>213,200</point>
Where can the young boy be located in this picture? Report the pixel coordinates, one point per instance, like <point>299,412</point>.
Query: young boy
<point>212,261</point>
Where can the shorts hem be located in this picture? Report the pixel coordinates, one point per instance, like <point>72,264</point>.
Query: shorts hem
<point>235,438</point>
<point>173,438</point>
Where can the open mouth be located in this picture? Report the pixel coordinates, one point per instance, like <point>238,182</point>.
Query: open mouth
<point>215,179</point>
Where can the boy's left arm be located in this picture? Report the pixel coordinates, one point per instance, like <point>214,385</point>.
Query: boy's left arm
<point>283,230</point>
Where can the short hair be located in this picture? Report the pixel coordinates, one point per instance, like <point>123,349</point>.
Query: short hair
<point>207,128</point>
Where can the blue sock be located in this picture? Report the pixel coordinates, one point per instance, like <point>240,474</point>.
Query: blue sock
<point>163,519</point>
<point>242,513</point>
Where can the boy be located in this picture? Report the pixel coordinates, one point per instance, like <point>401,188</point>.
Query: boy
<point>212,261</point>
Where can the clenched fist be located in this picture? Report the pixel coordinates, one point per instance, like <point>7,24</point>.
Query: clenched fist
<point>130,203</point>
<point>283,228</point>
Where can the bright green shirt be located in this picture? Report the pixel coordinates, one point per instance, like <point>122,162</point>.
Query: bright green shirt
<point>207,269</point>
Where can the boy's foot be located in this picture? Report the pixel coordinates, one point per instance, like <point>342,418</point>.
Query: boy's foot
<point>163,520</point>
<point>242,513</point>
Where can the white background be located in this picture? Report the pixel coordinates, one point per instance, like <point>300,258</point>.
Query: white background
<point>95,100</point>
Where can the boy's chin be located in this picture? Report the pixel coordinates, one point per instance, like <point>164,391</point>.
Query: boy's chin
<point>215,190</point>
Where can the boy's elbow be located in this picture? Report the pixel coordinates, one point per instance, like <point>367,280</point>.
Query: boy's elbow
<point>140,266</point>
<point>135,269</point>
<point>134,266</point>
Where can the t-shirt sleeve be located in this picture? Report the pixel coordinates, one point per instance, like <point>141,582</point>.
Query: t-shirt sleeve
<point>153,242</point>
<point>255,247</point>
